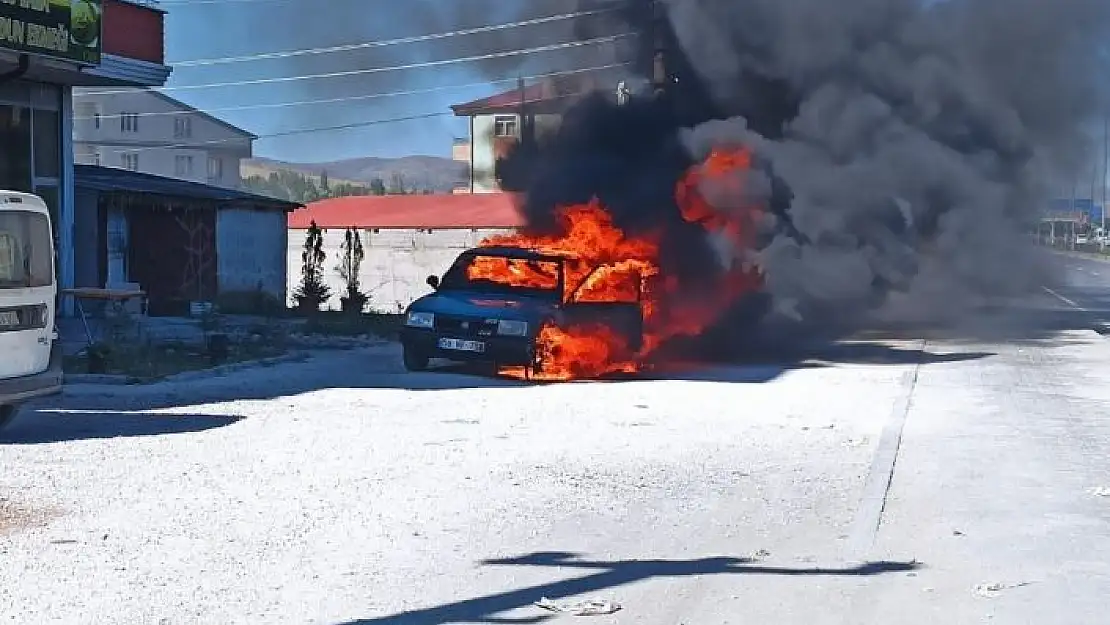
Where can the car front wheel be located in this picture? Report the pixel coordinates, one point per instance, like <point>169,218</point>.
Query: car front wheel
<point>7,415</point>
<point>414,360</point>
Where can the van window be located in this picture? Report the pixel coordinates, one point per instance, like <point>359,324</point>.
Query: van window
<point>26,259</point>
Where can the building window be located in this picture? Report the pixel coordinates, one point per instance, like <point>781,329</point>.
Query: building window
<point>91,112</point>
<point>15,139</point>
<point>182,128</point>
<point>47,143</point>
<point>215,169</point>
<point>130,160</point>
<point>183,165</point>
<point>129,122</point>
<point>96,158</point>
<point>504,126</point>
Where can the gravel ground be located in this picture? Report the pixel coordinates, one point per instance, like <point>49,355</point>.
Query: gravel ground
<point>341,488</point>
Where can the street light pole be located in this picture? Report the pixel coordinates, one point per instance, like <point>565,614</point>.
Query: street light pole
<point>1105,165</point>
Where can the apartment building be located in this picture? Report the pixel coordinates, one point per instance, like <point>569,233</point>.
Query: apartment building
<point>500,121</point>
<point>149,132</point>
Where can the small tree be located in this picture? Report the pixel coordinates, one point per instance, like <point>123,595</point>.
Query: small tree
<point>350,262</point>
<point>397,184</point>
<point>313,290</point>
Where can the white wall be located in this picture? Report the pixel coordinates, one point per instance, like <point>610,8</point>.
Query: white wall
<point>482,169</point>
<point>155,138</point>
<point>250,251</point>
<point>396,264</point>
<point>485,159</point>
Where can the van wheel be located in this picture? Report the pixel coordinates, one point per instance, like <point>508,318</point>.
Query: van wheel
<point>7,415</point>
<point>413,359</point>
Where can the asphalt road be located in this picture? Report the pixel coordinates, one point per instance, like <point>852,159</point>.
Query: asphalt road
<point>1086,283</point>
<point>904,481</point>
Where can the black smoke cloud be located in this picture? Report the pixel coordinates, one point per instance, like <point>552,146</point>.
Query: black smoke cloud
<point>904,146</point>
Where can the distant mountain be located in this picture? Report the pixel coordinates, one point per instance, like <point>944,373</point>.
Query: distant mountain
<point>422,173</point>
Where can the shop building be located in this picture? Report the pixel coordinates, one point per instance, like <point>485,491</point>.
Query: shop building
<point>47,48</point>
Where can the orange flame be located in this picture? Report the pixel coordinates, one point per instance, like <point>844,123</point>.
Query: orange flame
<point>515,272</point>
<point>606,265</point>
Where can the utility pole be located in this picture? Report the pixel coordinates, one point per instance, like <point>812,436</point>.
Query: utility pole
<point>1105,165</point>
<point>659,47</point>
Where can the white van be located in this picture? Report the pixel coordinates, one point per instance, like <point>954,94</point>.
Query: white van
<point>30,357</point>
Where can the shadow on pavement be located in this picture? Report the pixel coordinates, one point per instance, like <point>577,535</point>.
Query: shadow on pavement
<point>382,370</point>
<point>606,575</point>
<point>44,425</point>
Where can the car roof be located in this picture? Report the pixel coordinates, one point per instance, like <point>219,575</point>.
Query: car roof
<point>508,251</point>
<point>15,200</point>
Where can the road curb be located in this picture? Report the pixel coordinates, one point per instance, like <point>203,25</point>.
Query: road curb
<point>1083,256</point>
<point>187,376</point>
<point>880,475</point>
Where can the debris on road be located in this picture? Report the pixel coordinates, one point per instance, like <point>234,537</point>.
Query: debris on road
<point>992,590</point>
<point>588,607</point>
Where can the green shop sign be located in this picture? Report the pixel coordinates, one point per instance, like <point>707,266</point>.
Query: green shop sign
<point>63,29</point>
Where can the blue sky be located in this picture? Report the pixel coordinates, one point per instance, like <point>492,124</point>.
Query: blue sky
<point>203,30</point>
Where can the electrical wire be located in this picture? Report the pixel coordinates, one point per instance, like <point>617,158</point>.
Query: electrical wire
<point>377,70</point>
<point>303,131</point>
<point>356,98</point>
<point>384,42</point>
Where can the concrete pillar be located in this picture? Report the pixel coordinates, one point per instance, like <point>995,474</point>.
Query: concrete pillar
<point>67,228</point>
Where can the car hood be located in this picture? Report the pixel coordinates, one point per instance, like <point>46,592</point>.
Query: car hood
<point>469,304</point>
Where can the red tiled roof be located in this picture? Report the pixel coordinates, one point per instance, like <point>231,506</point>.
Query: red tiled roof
<point>461,210</point>
<point>557,91</point>
<point>501,101</point>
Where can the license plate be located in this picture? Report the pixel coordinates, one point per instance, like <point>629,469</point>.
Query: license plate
<point>9,318</point>
<point>461,345</point>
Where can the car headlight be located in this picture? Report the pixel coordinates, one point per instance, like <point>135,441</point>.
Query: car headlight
<point>512,328</point>
<point>420,320</point>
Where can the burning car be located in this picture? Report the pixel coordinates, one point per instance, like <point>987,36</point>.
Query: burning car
<point>507,305</point>
<point>584,297</point>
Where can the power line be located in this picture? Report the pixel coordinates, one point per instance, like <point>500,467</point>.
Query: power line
<point>377,70</point>
<point>285,133</point>
<point>384,42</point>
<point>304,131</point>
<point>357,98</point>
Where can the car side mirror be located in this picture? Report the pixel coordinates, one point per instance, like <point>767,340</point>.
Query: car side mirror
<point>433,281</point>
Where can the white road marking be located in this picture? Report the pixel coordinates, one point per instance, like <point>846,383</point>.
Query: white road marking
<point>1064,299</point>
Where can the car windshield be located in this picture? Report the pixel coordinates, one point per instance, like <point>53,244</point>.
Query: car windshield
<point>25,257</point>
<point>504,274</point>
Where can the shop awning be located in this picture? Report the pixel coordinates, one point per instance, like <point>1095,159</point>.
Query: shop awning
<point>115,180</point>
